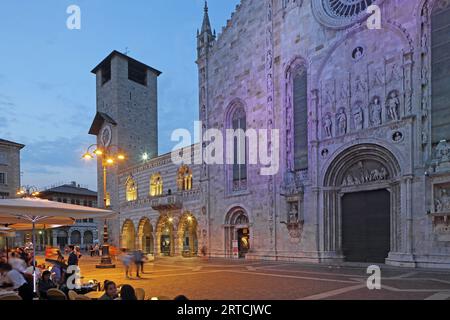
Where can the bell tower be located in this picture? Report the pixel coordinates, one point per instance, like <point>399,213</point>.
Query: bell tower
<point>126,118</point>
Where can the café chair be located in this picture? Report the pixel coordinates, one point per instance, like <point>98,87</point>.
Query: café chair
<point>140,293</point>
<point>55,294</point>
<point>82,297</point>
<point>10,297</point>
<point>72,295</point>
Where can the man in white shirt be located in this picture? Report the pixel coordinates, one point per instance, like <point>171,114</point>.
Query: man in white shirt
<point>17,263</point>
<point>15,280</point>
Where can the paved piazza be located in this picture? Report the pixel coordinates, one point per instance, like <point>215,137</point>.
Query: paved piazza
<point>241,280</point>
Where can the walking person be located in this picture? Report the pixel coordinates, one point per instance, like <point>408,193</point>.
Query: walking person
<point>127,260</point>
<point>139,262</point>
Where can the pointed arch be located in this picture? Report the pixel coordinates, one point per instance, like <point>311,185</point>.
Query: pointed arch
<point>296,109</point>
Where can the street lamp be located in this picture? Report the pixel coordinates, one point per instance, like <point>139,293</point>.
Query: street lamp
<point>28,192</point>
<point>109,156</point>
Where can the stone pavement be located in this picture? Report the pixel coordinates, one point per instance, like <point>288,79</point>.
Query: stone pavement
<point>259,280</point>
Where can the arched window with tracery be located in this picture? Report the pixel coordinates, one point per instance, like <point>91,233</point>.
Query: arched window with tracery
<point>440,66</point>
<point>156,185</point>
<point>238,122</point>
<point>184,180</point>
<point>131,189</point>
<point>297,116</point>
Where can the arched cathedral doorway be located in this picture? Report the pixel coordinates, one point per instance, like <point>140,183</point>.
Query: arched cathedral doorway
<point>361,204</point>
<point>237,233</point>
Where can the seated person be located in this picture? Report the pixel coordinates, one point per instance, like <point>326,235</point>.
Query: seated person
<point>45,283</point>
<point>110,291</point>
<point>14,280</point>
<point>127,293</point>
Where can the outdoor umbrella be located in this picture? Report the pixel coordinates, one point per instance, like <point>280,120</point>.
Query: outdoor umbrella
<point>32,211</point>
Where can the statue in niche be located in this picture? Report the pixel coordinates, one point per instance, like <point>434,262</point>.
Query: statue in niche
<point>328,126</point>
<point>342,121</point>
<point>425,14</point>
<point>443,151</point>
<point>269,60</point>
<point>443,202</point>
<point>424,43</point>
<point>393,104</point>
<point>358,117</point>
<point>376,110</point>
<point>424,75</point>
<point>293,213</point>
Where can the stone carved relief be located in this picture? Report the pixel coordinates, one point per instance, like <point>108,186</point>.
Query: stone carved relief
<point>328,126</point>
<point>378,78</point>
<point>365,172</point>
<point>292,184</point>
<point>441,158</point>
<point>341,120</point>
<point>375,110</point>
<point>358,116</point>
<point>442,200</point>
<point>393,106</point>
<point>424,44</point>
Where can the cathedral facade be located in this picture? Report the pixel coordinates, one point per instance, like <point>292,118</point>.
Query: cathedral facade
<point>358,91</point>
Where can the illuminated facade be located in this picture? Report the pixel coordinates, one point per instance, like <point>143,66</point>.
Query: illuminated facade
<point>364,123</point>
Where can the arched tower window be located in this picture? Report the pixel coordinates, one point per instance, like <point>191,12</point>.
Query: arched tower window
<point>238,121</point>
<point>156,185</point>
<point>440,75</point>
<point>131,189</point>
<point>297,116</point>
<point>184,180</point>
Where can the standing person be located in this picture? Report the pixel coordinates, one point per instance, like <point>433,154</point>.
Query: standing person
<point>73,257</point>
<point>139,262</point>
<point>15,280</point>
<point>126,260</point>
<point>97,250</point>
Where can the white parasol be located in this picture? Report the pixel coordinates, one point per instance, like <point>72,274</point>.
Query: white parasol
<point>38,212</point>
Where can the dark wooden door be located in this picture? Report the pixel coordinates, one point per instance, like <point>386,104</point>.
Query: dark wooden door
<point>366,226</point>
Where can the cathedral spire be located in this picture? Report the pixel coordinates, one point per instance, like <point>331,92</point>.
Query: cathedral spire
<point>206,26</point>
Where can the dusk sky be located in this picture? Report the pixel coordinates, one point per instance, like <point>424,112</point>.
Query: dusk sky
<point>47,93</point>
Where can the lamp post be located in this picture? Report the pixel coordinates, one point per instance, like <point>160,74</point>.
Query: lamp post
<point>109,156</point>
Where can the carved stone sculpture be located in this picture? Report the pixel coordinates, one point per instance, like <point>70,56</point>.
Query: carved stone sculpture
<point>376,110</point>
<point>393,106</point>
<point>328,126</point>
<point>358,117</point>
<point>342,122</point>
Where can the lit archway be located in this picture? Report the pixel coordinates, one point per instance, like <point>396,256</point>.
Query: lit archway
<point>187,235</point>
<point>237,233</point>
<point>128,239</point>
<point>145,236</point>
<point>165,236</point>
